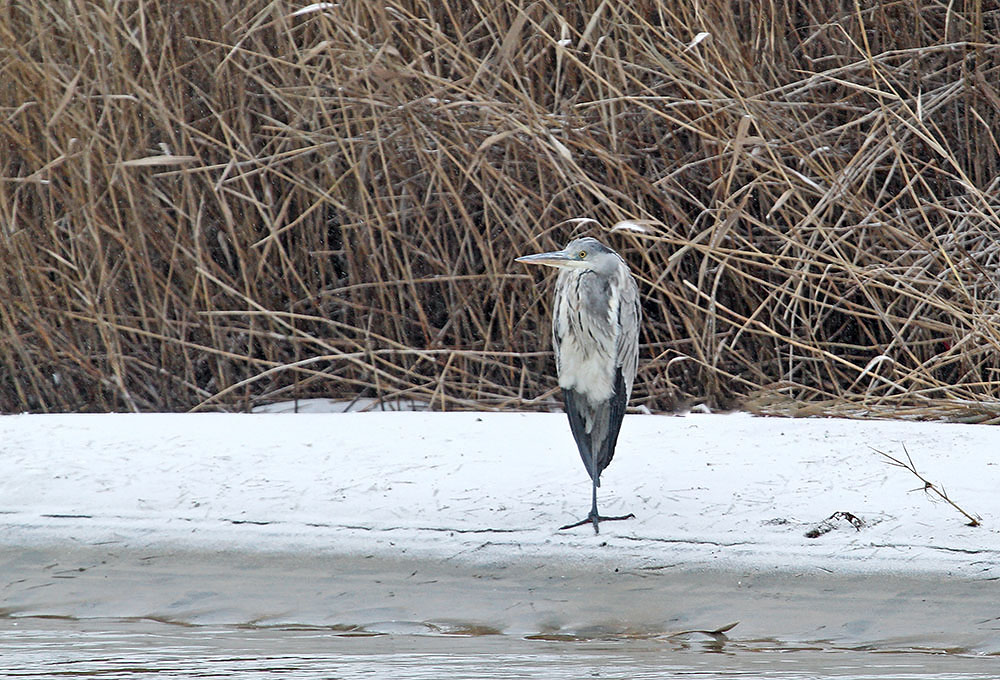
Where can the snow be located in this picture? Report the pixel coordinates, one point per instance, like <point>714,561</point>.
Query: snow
<point>727,491</point>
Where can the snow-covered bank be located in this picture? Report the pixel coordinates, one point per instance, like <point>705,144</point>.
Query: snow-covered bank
<point>731,491</point>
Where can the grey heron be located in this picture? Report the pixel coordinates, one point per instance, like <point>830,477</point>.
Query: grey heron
<point>595,335</point>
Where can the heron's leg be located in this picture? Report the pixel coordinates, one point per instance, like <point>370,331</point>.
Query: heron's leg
<point>595,517</point>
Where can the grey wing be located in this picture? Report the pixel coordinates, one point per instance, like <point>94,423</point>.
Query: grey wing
<point>626,365</point>
<point>595,426</point>
<point>615,412</point>
<point>629,320</point>
<point>579,411</point>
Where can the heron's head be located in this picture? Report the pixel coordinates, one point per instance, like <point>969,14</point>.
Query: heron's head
<point>582,254</point>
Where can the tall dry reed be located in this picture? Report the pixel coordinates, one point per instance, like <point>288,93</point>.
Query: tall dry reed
<point>216,204</point>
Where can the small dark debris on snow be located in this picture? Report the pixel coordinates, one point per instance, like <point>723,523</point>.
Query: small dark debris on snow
<point>836,521</point>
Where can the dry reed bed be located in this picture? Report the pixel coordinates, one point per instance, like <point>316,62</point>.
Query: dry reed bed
<point>217,204</point>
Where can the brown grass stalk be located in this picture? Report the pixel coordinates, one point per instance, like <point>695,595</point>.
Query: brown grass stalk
<point>218,204</point>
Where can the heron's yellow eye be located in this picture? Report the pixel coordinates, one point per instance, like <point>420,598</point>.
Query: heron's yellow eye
<point>583,254</point>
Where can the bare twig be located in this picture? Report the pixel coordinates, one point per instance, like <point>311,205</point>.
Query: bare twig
<point>928,486</point>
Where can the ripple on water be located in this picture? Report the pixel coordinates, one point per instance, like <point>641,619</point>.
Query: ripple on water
<point>35,647</point>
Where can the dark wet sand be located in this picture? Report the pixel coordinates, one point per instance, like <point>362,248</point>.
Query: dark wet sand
<point>526,599</point>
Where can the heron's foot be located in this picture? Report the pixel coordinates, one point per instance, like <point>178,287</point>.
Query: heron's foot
<point>595,518</point>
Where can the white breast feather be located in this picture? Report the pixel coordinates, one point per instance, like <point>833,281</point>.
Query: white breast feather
<point>589,367</point>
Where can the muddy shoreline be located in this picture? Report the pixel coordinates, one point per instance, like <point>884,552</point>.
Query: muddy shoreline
<point>375,594</point>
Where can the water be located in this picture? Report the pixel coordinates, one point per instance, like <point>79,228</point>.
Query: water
<point>49,648</point>
<point>105,612</point>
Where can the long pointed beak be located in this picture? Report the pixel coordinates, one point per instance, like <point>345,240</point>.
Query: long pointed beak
<point>556,259</point>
